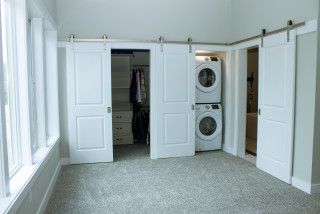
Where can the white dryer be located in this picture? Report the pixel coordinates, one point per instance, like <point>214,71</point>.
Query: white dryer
<point>208,127</point>
<point>208,80</point>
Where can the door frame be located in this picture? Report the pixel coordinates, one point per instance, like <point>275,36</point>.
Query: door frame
<point>240,99</point>
<point>227,86</point>
<point>151,47</point>
<point>239,139</point>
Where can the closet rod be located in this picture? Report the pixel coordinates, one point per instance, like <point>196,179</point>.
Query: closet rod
<point>289,27</point>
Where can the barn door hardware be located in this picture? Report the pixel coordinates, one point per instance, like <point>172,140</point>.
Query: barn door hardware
<point>161,40</point>
<point>289,27</point>
<point>71,40</point>
<point>190,44</point>
<point>263,34</point>
<point>104,41</point>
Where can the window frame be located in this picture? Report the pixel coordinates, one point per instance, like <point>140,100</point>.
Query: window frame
<point>32,161</point>
<point>12,87</point>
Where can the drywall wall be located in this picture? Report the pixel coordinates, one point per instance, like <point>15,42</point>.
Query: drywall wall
<point>52,8</point>
<point>203,20</point>
<point>305,103</point>
<point>64,134</point>
<point>316,139</point>
<point>36,200</point>
<point>270,14</point>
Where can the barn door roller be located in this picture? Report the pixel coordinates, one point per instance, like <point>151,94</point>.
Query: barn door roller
<point>289,27</point>
<point>161,40</point>
<point>190,44</point>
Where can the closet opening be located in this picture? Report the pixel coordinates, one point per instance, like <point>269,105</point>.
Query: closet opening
<point>130,75</point>
<point>252,104</point>
<point>210,99</point>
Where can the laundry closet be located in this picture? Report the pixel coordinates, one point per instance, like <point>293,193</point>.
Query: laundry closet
<point>210,72</point>
<point>130,79</point>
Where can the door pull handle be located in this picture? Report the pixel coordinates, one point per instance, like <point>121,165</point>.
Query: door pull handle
<point>109,109</point>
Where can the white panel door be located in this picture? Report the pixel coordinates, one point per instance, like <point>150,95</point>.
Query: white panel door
<point>89,97</point>
<point>276,104</point>
<point>176,96</point>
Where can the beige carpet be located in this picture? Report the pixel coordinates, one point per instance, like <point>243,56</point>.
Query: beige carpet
<point>210,182</point>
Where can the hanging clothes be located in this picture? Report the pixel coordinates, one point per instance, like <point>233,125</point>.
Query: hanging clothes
<point>138,94</point>
<point>133,87</point>
<point>138,98</point>
<point>138,91</point>
<point>143,87</point>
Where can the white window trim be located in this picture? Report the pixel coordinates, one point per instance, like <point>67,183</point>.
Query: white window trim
<point>4,175</point>
<point>39,72</point>
<point>22,182</point>
<point>53,123</point>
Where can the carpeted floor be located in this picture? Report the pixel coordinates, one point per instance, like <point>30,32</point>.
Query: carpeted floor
<point>210,182</point>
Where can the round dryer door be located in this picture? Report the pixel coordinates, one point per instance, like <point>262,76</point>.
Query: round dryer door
<point>209,125</point>
<point>207,79</point>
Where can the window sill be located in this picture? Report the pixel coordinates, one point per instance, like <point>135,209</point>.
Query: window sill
<point>23,180</point>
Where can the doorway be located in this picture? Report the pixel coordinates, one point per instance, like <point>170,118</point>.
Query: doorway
<point>130,77</point>
<point>252,104</point>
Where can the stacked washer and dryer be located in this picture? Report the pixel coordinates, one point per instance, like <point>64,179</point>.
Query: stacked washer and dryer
<point>208,104</point>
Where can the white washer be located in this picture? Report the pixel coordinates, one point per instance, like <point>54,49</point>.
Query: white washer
<point>208,127</point>
<point>208,80</point>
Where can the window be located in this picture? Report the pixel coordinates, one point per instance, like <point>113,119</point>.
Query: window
<point>10,88</point>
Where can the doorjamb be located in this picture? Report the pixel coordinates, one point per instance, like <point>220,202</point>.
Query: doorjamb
<point>152,90</point>
<point>227,109</point>
<point>237,138</point>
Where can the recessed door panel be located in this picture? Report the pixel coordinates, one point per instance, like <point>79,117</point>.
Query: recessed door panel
<point>176,129</point>
<point>89,78</point>
<point>275,77</point>
<point>89,138</point>
<point>176,80</point>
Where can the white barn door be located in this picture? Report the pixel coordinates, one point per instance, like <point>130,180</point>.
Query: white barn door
<point>276,104</point>
<point>176,97</point>
<point>89,102</point>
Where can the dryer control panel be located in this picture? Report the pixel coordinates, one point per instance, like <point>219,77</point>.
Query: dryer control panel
<point>215,106</point>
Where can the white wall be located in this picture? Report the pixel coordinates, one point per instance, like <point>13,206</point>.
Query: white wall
<point>203,20</point>
<point>39,193</point>
<point>250,16</point>
<point>316,139</point>
<point>305,106</point>
<point>51,6</point>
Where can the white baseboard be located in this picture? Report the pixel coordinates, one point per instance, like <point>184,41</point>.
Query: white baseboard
<point>302,185</point>
<point>50,188</point>
<point>315,188</point>
<point>229,149</point>
<point>65,161</point>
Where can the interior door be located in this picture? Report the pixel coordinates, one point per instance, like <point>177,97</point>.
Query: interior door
<point>176,99</point>
<point>89,102</point>
<point>276,105</point>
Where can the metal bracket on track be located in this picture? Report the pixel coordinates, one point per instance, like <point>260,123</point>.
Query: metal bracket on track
<point>190,44</point>
<point>71,40</point>
<point>161,40</point>
<point>289,28</point>
<point>105,41</point>
<point>263,34</point>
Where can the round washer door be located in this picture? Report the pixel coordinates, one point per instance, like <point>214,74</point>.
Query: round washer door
<point>207,79</point>
<point>208,126</point>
